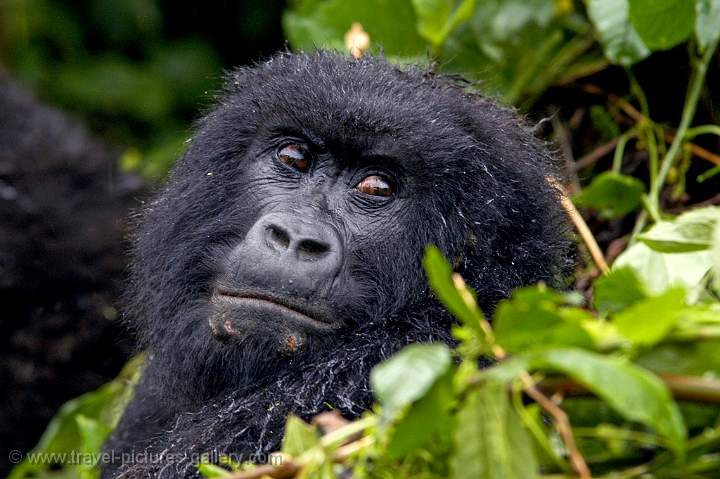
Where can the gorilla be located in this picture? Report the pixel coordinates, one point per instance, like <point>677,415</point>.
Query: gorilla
<point>282,260</point>
<point>63,209</point>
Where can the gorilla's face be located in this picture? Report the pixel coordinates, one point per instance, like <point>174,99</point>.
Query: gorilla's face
<point>321,210</point>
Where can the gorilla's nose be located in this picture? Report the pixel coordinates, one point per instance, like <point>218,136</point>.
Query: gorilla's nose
<point>289,252</point>
<point>304,242</point>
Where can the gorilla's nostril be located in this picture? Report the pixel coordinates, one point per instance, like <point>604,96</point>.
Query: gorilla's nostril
<point>312,248</point>
<point>277,237</point>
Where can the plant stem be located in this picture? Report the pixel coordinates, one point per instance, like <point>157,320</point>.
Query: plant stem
<point>702,130</point>
<point>620,149</point>
<point>695,87</point>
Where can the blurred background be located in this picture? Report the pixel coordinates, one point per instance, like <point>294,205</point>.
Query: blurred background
<point>97,98</point>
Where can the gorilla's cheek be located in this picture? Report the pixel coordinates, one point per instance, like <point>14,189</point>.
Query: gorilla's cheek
<point>234,318</point>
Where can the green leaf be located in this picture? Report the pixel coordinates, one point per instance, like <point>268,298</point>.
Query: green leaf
<point>696,358</point>
<point>691,231</point>
<point>99,411</point>
<point>299,436</point>
<point>490,440</point>
<point>413,430</point>
<point>391,24</point>
<point>647,322</point>
<point>707,21</point>
<point>614,195</point>
<point>536,317</point>
<point>92,433</point>
<point>620,41</point>
<point>660,271</point>
<point>662,24</point>
<point>633,392</point>
<point>212,471</point>
<point>439,274</point>
<point>715,255</point>
<point>437,18</point>
<point>603,123</point>
<point>516,48</point>
<point>408,376</point>
<point>618,290</point>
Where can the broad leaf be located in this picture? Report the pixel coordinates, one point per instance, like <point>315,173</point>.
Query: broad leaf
<point>620,41</point>
<point>536,317</point>
<point>618,290</point>
<point>691,231</point>
<point>100,411</point>
<point>707,22</point>
<point>697,358</point>
<point>391,24</point>
<point>437,18</point>
<point>633,392</point>
<point>439,274</point>
<point>659,271</point>
<point>299,436</point>
<point>408,376</point>
<point>614,195</point>
<point>516,48</point>
<point>648,321</point>
<point>490,440</point>
<point>413,429</point>
<point>662,24</point>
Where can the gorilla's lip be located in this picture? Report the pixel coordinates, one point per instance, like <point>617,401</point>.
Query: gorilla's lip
<point>281,305</point>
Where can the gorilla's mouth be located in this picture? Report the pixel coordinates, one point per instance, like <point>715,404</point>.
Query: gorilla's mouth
<point>274,305</point>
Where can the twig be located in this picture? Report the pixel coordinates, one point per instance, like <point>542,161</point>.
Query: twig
<point>596,154</point>
<point>687,388</point>
<point>561,422</point>
<point>638,117</point>
<point>582,228</point>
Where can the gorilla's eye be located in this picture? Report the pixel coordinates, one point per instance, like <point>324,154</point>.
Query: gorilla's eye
<point>294,156</point>
<point>376,185</point>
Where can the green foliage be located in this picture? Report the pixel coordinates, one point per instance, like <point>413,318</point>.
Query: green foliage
<point>635,371</point>
<point>692,231</point>
<point>662,24</point>
<point>490,440</point>
<point>299,436</point>
<point>71,443</point>
<point>648,321</point>
<point>618,36</point>
<point>477,430</point>
<point>409,376</point>
<point>637,361</point>
<point>631,29</point>
<point>554,324</point>
<point>311,24</point>
<point>613,194</point>
<point>618,290</point>
<point>706,25</point>
<point>516,47</point>
<point>438,18</point>
<point>678,252</point>
<point>114,63</point>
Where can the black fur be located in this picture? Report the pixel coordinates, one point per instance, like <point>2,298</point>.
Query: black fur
<point>473,181</point>
<point>63,209</point>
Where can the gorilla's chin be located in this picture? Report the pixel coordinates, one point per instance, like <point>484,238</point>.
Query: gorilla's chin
<point>235,317</point>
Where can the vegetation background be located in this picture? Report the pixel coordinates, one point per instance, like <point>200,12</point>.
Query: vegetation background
<point>618,378</point>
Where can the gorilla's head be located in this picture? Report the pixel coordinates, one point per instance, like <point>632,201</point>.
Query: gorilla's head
<point>299,214</point>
